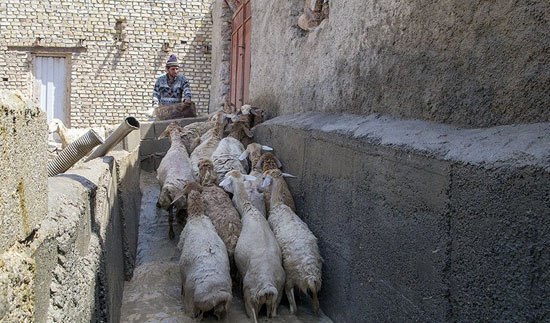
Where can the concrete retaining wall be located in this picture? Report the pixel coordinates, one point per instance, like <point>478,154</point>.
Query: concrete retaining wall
<point>420,221</point>
<point>91,232</point>
<point>64,261</point>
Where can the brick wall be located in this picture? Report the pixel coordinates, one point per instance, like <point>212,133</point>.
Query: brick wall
<point>112,70</point>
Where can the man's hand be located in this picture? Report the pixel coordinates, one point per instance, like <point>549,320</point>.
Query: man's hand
<point>187,100</point>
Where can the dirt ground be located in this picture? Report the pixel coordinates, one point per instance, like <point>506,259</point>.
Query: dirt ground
<point>153,294</point>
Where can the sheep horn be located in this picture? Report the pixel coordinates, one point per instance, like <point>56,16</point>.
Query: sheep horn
<point>249,177</point>
<point>267,148</point>
<point>244,155</point>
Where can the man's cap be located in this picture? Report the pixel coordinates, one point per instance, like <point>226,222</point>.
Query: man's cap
<point>172,61</point>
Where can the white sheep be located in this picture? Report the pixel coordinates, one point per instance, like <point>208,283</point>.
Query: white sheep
<point>268,161</point>
<point>301,257</point>
<point>219,208</point>
<point>204,265</point>
<point>207,146</point>
<point>226,156</point>
<point>257,254</point>
<point>253,152</point>
<point>174,172</point>
<point>68,135</point>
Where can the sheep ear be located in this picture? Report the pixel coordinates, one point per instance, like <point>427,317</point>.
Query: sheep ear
<point>178,198</point>
<point>267,148</point>
<point>248,132</point>
<point>195,143</point>
<point>266,182</point>
<point>279,165</point>
<point>288,175</point>
<point>244,155</point>
<point>249,177</point>
<point>164,134</point>
<point>227,184</point>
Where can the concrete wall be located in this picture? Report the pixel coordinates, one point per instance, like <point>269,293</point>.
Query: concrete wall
<point>476,65</point>
<point>152,150</point>
<point>111,75</point>
<point>419,221</point>
<point>64,261</point>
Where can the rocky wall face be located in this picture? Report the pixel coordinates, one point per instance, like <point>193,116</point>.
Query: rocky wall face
<point>221,54</point>
<point>477,64</point>
<point>23,163</point>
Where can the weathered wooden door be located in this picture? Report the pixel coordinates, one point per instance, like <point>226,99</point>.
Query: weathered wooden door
<point>51,86</point>
<point>240,54</point>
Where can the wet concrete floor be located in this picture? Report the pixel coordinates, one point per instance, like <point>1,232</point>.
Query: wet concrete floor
<point>153,294</point>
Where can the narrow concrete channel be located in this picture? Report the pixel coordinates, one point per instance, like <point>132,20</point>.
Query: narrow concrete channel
<point>153,294</point>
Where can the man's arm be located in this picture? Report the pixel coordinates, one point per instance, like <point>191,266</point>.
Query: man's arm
<point>186,90</point>
<point>156,94</point>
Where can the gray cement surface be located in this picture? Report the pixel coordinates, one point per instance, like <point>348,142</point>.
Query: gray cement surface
<point>153,294</point>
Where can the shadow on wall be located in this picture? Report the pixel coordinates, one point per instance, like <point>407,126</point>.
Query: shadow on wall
<point>270,103</point>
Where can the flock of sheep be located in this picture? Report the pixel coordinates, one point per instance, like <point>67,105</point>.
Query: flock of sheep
<point>253,240</point>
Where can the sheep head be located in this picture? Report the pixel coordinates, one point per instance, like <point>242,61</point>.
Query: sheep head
<point>268,161</point>
<point>216,116</point>
<point>271,175</point>
<point>253,152</point>
<point>173,126</point>
<point>207,174</point>
<point>55,126</point>
<point>228,182</point>
<point>195,202</point>
<point>239,130</point>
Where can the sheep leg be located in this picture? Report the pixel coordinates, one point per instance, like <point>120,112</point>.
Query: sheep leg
<point>249,307</point>
<point>315,302</point>
<point>171,234</point>
<point>289,290</point>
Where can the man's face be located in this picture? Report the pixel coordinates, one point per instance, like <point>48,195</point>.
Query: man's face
<point>173,71</point>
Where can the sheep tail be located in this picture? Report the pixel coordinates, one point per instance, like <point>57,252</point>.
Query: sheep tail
<point>223,304</point>
<point>219,302</point>
<point>268,295</point>
<point>314,285</point>
<point>268,292</point>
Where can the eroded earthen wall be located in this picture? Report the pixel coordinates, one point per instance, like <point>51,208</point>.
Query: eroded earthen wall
<point>475,65</point>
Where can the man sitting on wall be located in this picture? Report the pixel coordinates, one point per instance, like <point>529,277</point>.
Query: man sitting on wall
<point>170,89</point>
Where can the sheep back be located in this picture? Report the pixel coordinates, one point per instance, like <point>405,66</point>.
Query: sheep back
<point>223,215</point>
<point>204,266</point>
<point>301,258</point>
<point>226,157</point>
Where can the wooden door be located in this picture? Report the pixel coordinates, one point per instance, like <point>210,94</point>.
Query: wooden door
<point>240,54</point>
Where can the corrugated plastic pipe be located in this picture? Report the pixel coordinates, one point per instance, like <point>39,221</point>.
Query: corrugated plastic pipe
<point>74,152</point>
<point>128,125</point>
